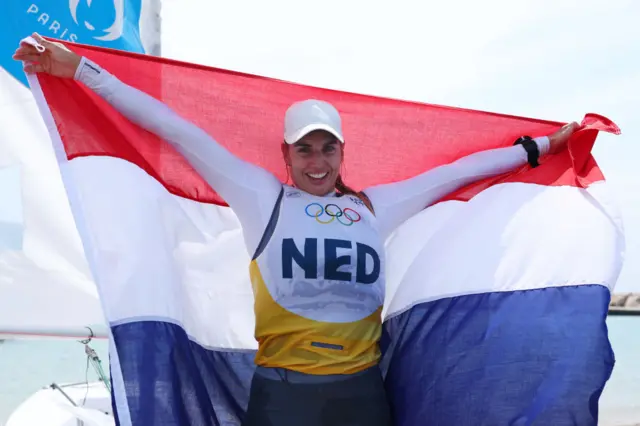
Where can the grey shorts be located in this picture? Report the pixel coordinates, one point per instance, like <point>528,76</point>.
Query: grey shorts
<point>277,400</point>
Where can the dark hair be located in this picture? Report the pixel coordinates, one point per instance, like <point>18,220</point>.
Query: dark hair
<point>347,190</point>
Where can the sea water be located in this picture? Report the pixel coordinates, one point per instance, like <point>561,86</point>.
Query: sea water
<point>620,402</point>
<point>28,365</point>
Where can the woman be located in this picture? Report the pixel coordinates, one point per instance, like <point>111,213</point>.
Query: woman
<point>318,264</point>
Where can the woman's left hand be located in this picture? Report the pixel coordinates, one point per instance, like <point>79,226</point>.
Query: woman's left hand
<point>558,140</point>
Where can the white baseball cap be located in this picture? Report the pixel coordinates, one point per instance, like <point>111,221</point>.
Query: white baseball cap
<point>306,116</point>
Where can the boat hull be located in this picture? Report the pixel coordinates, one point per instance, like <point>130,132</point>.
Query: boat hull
<point>50,407</point>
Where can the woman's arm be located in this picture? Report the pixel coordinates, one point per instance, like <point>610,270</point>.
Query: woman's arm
<point>396,202</point>
<point>247,188</point>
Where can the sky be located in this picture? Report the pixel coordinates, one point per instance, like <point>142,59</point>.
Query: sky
<point>545,59</point>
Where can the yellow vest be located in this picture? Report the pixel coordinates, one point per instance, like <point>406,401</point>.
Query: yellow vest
<point>318,283</point>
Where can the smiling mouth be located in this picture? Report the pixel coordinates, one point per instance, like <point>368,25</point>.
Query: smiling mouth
<point>317,176</point>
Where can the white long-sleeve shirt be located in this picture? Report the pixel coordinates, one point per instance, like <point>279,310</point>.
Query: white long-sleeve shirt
<point>248,188</point>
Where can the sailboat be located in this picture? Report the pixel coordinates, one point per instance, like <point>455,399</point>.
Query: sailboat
<point>46,287</point>
<point>68,404</point>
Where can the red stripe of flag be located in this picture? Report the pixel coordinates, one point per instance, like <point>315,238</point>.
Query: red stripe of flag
<point>387,140</point>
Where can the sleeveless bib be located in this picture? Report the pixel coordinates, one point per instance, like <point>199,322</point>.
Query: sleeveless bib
<point>318,282</point>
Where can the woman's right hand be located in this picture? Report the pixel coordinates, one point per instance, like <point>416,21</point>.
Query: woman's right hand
<point>56,59</point>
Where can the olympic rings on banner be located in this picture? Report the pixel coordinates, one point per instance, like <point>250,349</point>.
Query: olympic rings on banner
<point>346,217</point>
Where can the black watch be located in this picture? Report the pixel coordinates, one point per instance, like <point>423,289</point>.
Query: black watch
<point>533,153</point>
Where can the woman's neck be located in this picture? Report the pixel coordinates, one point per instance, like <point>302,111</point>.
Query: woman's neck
<point>331,193</point>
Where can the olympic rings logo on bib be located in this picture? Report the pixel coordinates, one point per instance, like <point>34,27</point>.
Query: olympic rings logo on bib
<point>332,212</point>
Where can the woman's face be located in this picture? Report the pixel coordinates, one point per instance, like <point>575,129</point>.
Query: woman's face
<point>315,162</point>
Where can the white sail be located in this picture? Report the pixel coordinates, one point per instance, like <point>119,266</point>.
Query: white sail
<point>46,286</point>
